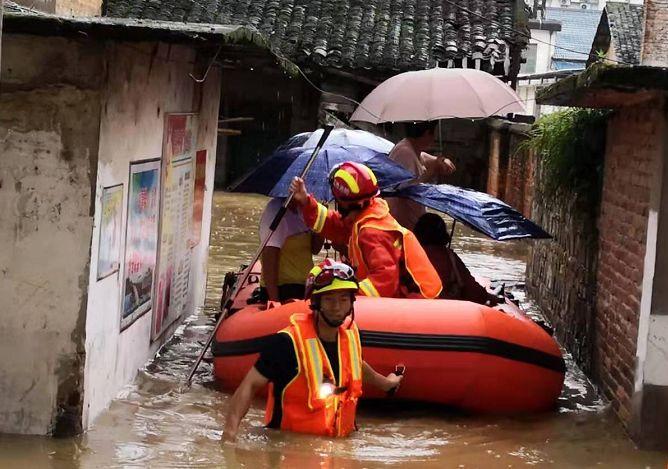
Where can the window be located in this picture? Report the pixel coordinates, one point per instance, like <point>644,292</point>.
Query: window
<point>529,55</point>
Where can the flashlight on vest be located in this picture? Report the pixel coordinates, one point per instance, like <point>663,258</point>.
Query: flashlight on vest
<point>327,389</point>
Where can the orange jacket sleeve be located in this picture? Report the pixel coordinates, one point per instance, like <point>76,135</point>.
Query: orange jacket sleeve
<point>327,223</point>
<point>382,256</point>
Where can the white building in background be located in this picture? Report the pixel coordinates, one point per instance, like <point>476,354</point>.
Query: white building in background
<point>560,45</point>
<point>587,4</point>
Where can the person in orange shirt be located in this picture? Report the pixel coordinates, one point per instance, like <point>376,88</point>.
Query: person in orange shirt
<point>314,367</point>
<point>388,259</point>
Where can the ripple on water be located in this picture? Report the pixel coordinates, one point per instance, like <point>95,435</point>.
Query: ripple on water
<point>153,423</point>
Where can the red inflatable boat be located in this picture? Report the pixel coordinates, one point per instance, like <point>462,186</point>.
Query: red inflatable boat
<point>473,357</point>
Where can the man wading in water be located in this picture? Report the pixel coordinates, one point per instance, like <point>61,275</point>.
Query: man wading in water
<point>314,367</point>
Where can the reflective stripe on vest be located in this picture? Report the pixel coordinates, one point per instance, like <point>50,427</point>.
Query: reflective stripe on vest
<point>368,288</point>
<point>304,410</point>
<point>377,216</point>
<point>320,219</point>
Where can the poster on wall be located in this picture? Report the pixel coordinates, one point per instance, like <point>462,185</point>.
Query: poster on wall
<point>141,239</point>
<point>109,247</point>
<point>174,253</point>
<point>198,204</point>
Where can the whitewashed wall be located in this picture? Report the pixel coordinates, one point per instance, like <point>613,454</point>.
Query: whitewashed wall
<point>527,89</point>
<point>49,128</point>
<point>143,85</point>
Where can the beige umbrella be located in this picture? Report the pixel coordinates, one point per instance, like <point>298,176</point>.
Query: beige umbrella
<point>439,93</point>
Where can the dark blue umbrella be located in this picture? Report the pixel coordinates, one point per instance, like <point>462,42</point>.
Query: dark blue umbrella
<point>480,211</point>
<point>274,174</point>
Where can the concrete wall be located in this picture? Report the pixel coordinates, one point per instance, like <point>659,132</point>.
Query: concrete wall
<point>65,7</point>
<point>49,128</point>
<point>144,82</point>
<point>78,7</point>
<point>73,115</point>
<point>526,89</point>
<point>655,43</point>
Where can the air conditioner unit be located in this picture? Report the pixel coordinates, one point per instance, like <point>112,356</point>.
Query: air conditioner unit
<point>584,6</point>
<point>565,2</point>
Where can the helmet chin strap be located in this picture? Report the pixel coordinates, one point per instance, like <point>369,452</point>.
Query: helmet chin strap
<point>332,323</point>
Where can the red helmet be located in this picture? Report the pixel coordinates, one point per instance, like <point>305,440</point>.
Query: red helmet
<point>330,275</point>
<point>353,182</point>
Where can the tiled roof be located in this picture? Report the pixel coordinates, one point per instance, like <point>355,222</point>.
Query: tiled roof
<point>354,34</point>
<point>24,20</point>
<point>578,28</point>
<point>626,27</point>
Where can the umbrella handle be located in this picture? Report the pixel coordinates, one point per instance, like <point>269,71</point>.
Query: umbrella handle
<point>242,281</point>
<point>279,215</point>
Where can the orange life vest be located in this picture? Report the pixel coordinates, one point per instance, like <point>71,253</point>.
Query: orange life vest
<point>377,215</point>
<point>305,410</point>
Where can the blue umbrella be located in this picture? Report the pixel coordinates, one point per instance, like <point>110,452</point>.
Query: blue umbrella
<point>478,210</point>
<point>274,174</point>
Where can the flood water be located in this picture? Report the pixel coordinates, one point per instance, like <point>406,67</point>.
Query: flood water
<point>153,423</point>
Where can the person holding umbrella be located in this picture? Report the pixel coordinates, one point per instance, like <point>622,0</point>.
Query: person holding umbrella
<point>411,153</point>
<point>288,256</point>
<point>389,260</point>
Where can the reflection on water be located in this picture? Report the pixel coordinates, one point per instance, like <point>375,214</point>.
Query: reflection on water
<point>154,423</point>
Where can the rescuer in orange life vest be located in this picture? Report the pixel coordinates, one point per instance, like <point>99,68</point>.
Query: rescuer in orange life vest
<point>314,367</point>
<point>389,260</point>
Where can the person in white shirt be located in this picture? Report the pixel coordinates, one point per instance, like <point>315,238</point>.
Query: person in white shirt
<point>411,154</point>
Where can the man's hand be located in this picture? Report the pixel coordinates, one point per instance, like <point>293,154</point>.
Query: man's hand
<point>445,166</point>
<point>392,381</point>
<point>298,189</point>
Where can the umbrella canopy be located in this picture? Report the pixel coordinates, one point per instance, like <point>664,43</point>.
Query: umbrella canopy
<point>480,211</point>
<point>275,173</point>
<point>346,138</point>
<point>438,93</point>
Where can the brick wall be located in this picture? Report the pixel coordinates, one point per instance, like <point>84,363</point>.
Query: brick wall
<point>561,272</point>
<point>655,44</point>
<point>510,169</point>
<point>633,142</point>
<point>519,181</point>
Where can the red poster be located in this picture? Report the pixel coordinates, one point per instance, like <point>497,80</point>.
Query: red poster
<point>198,205</point>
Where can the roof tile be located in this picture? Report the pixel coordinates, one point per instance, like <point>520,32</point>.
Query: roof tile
<point>354,34</point>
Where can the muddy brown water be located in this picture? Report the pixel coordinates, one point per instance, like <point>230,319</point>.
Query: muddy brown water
<point>153,423</point>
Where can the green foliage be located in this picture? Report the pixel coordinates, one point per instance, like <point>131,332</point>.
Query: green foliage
<point>571,145</point>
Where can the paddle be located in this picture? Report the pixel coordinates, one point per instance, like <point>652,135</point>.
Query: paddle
<point>237,286</point>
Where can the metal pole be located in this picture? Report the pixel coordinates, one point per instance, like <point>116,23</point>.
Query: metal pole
<point>244,277</point>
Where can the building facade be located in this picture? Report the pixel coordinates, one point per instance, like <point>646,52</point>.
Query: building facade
<point>630,336</point>
<point>108,153</point>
